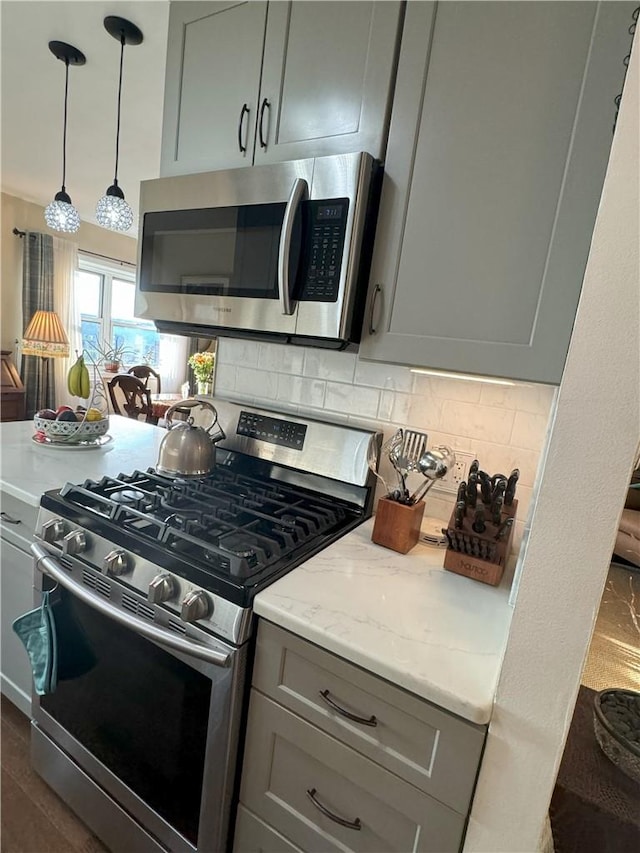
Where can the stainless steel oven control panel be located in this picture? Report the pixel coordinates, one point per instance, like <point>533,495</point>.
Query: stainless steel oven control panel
<point>162,589</point>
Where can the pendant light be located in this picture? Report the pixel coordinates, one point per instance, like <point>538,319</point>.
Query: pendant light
<point>112,210</point>
<point>61,215</point>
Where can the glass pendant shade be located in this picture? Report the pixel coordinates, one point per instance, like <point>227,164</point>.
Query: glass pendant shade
<point>112,211</point>
<point>60,214</point>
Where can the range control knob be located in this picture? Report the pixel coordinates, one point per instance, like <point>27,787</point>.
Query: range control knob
<point>115,563</point>
<point>162,588</point>
<point>74,543</point>
<point>196,605</point>
<point>53,530</point>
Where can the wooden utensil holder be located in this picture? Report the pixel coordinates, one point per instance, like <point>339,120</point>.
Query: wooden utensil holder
<point>396,525</point>
<point>485,571</point>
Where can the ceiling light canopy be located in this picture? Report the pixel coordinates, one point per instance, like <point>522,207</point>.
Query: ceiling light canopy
<point>112,210</point>
<point>61,215</point>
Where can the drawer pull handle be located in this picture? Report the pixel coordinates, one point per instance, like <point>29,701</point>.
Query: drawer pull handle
<point>9,518</point>
<point>350,824</point>
<point>365,721</point>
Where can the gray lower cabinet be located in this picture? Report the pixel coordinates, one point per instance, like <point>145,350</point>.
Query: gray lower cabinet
<point>266,82</point>
<point>499,140</point>
<point>339,759</point>
<point>16,597</point>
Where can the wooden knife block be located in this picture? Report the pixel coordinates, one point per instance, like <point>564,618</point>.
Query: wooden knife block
<point>396,525</point>
<point>485,571</point>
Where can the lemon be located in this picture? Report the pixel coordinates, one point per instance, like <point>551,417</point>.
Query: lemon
<point>94,415</point>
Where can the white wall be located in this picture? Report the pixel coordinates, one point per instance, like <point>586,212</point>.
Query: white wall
<point>592,443</point>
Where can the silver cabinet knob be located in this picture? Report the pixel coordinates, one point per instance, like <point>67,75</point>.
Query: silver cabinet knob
<point>53,530</point>
<point>115,563</point>
<point>196,605</point>
<point>162,588</point>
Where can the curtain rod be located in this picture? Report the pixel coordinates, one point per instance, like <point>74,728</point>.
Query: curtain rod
<point>19,233</point>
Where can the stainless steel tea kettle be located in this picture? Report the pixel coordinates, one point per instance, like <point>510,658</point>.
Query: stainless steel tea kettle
<point>188,450</point>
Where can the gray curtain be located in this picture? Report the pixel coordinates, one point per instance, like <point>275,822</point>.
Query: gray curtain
<point>37,294</point>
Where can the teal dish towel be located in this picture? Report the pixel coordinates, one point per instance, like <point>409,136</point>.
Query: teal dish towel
<point>37,631</point>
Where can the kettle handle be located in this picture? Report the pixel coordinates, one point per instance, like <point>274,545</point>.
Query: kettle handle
<point>190,403</point>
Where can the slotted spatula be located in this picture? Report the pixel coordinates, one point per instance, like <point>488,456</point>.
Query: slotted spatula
<point>413,446</point>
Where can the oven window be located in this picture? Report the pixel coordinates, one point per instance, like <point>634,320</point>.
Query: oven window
<point>138,709</point>
<point>223,251</point>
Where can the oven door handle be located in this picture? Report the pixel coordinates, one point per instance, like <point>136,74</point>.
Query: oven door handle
<point>298,192</point>
<point>48,565</point>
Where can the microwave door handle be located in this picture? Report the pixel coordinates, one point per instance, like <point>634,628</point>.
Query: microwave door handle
<point>298,192</point>
<point>49,566</point>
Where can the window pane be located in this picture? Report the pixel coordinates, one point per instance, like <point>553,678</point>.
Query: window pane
<point>91,332</point>
<point>142,345</point>
<point>122,297</point>
<point>87,292</point>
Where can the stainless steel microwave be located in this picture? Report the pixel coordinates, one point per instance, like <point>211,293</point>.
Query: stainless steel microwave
<point>278,252</point>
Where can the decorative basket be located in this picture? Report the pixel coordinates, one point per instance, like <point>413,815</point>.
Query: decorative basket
<point>616,723</point>
<point>69,432</point>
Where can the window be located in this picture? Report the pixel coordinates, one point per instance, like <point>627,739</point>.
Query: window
<point>104,293</point>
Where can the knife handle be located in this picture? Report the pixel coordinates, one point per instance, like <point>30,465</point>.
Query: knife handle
<point>461,509</point>
<point>478,525</point>
<point>462,492</point>
<point>510,491</point>
<point>496,510</point>
<point>474,467</point>
<point>504,529</point>
<point>485,487</point>
<point>472,491</point>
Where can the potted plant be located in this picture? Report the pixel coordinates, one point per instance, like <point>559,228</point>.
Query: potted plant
<point>111,354</point>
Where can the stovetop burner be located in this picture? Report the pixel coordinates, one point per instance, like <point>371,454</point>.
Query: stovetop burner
<point>228,530</point>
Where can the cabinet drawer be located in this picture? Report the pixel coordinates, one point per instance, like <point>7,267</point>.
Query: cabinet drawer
<point>255,836</point>
<point>18,520</point>
<point>288,762</point>
<point>430,748</point>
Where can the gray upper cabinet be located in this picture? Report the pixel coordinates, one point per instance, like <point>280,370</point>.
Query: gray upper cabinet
<point>498,146</point>
<point>214,57</point>
<point>264,82</point>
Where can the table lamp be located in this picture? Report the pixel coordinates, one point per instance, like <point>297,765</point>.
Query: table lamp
<point>44,336</point>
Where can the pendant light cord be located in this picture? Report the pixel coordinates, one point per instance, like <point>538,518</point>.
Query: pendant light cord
<point>122,43</point>
<point>64,125</point>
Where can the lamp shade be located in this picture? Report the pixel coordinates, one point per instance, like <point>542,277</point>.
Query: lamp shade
<point>45,336</point>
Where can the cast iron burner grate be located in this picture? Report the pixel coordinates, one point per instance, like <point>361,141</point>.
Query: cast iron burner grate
<point>228,522</point>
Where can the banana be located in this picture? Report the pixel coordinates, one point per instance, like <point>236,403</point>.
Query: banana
<point>78,380</point>
<point>84,381</point>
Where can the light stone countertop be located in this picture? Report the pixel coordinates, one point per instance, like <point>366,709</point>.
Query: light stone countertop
<point>439,635</point>
<point>402,617</point>
<point>28,469</point>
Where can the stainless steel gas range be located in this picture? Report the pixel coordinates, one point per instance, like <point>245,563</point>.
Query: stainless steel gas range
<point>153,580</point>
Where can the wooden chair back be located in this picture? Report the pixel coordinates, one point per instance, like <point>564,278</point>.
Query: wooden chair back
<point>145,373</point>
<point>137,398</point>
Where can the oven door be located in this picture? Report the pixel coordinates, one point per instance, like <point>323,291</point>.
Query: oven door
<point>152,728</point>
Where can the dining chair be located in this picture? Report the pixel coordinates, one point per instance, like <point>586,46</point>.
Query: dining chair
<point>145,373</point>
<point>135,399</point>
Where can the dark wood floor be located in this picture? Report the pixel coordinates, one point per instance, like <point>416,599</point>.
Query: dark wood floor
<point>34,819</point>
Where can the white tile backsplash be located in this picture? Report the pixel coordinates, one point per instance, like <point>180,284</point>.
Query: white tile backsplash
<point>504,426</point>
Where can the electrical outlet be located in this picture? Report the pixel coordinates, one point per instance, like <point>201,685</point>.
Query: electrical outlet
<point>456,474</point>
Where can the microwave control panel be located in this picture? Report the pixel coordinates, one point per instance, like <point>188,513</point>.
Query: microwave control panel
<point>273,430</point>
<point>326,224</point>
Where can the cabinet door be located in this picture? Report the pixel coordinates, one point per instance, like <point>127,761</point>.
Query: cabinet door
<point>214,56</point>
<point>498,146</point>
<point>327,79</point>
<point>16,593</point>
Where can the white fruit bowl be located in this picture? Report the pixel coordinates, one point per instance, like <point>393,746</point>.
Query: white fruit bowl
<point>70,432</point>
